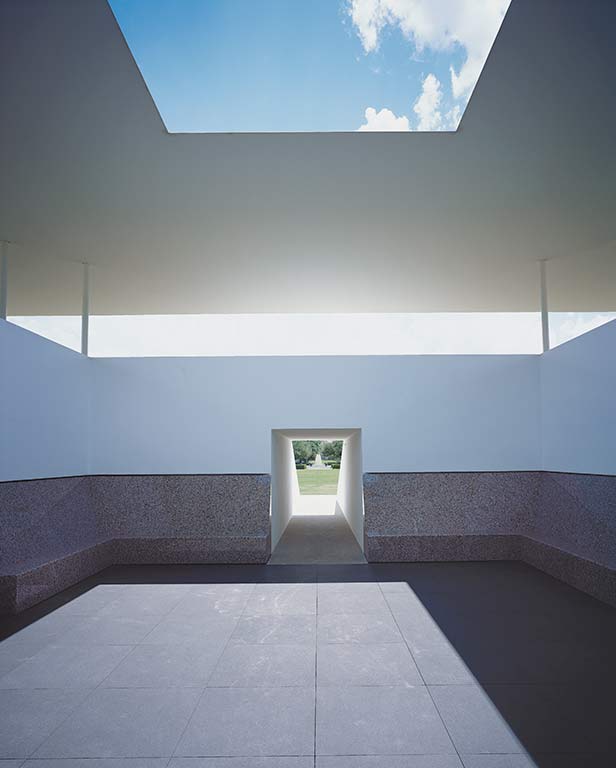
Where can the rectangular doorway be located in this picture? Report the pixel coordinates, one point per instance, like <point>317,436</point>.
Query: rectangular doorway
<point>317,497</point>
<point>317,463</point>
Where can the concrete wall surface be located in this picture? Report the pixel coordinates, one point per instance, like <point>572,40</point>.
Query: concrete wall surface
<point>64,415</point>
<point>578,404</point>
<point>212,415</point>
<point>44,407</point>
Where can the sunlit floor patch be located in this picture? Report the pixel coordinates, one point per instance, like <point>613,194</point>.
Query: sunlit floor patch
<point>314,506</point>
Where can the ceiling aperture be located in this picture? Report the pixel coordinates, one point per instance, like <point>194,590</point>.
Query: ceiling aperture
<point>358,222</point>
<point>324,65</point>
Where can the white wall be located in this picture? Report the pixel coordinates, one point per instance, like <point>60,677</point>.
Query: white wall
<point>44,407</point>
<point>215,415</point>
<point>208,415</point>
<point>350,486</point>
<point>285,488</point>
<point>578,391</point>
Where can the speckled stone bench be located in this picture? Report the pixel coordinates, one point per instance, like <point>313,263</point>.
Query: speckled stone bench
<point>562,523</point>
<point>56,532</point>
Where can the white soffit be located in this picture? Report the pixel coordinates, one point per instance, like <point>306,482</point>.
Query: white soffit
<point>354,222</point>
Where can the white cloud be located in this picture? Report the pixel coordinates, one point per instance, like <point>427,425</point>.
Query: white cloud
<point>436,24</point>
<point>385,120</point>
<point>427,108</point>
<point>453,118</point>
<point>427,105</point>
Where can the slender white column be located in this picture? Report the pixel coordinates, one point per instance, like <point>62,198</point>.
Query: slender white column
<point>4,274</point>
<point>85,310</point>
<point>545,317</point>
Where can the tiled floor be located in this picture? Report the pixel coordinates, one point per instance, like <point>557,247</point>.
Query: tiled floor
<point>490,665</point>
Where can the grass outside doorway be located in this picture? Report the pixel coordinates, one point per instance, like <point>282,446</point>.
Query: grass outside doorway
<point>318,482</point>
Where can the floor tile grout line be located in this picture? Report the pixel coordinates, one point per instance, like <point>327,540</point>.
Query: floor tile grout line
<point>316,673</point>
<point>427,687</point>
<point>134,647</point>
<point>162,618</point>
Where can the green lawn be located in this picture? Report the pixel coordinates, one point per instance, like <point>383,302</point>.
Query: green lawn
<point>321,482</point>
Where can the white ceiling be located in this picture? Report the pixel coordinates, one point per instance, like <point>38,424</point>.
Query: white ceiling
<point>356,222</point>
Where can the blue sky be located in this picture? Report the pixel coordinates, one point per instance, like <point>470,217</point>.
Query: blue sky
<point>294,65</point>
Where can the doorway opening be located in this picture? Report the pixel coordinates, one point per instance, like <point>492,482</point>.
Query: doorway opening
<point>317,463</point>
<point>317,511</point>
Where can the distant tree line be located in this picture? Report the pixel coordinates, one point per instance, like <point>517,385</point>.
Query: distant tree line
<point>306,450</point>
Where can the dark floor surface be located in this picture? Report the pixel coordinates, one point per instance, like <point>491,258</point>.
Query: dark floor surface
<point>481,665</point>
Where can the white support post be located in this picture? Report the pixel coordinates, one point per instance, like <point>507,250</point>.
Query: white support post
<point>4,274</point>
<point>545,317</point>
<point>85,310</point>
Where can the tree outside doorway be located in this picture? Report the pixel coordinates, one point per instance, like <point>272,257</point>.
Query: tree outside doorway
<point>325,454</point>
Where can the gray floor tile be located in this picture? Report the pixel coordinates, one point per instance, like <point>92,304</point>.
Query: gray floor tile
<point>365,664</point>
<point>499,761</point>
<point>282,600</point>
<point>242,762</point>
<point>355,598</point>
<point>48,629</point>
<point>108,630</point>
<point>155,592</point>
<point>421,631</point>
<point>395,587</point>
<point>143,602</point>
<point>366,589</point>
<point>251,722</point>
<point>474,723</point>
<point>379,721</point>
<point>93,601</point>
<point>204,604</point>
<point>281,630</point>
<point>407,604</point>
<point>390,761</point>
<point>166,666</point>
<point>126,722</point>
<point>441,664</point>
<point>13,654</point>
<point>65,666</point>
<point>98,762</point>
<point>252,666</point>
<point>11,763</point>
<point>222,590</point>
<point>159,590</point>
<point>357,628</point>
<point>207,631</point>
<point>28,717</point>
